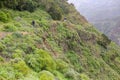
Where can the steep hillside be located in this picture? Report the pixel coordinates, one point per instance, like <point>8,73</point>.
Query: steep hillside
<point>54,49</point>
<point>105,15</point>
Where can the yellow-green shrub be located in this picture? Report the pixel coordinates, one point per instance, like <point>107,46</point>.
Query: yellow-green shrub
<point>1,59</point>
<point>4,17</point>
<point>71,74</point>
<point>61,65</point>
<point>17,53</point>
<point>117,59</point>
<point>46,75</point>
<point>9,28</point>
<point>84,77</point>
<point>40,60</point>
<point>21,66</point>
<point>55,12</point>
<point>2,47</point>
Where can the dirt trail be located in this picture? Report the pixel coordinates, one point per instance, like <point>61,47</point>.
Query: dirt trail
<point>4,34</point>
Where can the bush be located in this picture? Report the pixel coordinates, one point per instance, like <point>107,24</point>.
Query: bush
<point>17,35</point>
<point>55,12</point>
<point>84,77</point>
<point>2,47</point>
<point>17,54</point>
<point>44,24</point>
<point>61,65</point>
<point>27,46</point>
<point>28,5</point>
<point>8,4</point>
<point>1,59</point>
<point>20,5</point>
<point>6,72</point>
<point>74,59</point>
<point>10,28</point>
<point>71,74</point>
<point>105,41</point>
<point>21,66</point>
<point>41,60</point>
<point>46,75</point>
<point>117,59</point>
<point>4,17</point>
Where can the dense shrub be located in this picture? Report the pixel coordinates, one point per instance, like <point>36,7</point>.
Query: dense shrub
<point>44,24</point>
<point>41,60</point>
<point>117,59</point>
<point>104,41</point>
<point>1,59</point>
<point>2,47</point>
<point>17,53</point>
<point>28,5</point>
<point>84,77</point>
<point>17,35</point>
<point>74,59</point>
<point>61,65</point>
<point>8,3</point>
<point>4,17</point>
<point>21,66</point>
<point>71,74</point>
<point>21,5</point>
<point>55,12</point>
<point>46,75</point>
<point>8,72</point>
<point>9,28</point>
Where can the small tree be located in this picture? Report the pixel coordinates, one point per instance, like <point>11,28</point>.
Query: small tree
<point>20,5</point>
<point>105,41</point>
<point>55,12</point>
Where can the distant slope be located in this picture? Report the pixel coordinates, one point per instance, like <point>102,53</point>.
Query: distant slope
<point>105,15</point>
<point>110,27</point>
<point>54,49</point>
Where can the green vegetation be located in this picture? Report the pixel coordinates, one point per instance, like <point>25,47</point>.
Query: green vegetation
<point>53,49</point>
<point>46,75</point>
<point>4,17</point>
<point>40,60</point>
<point>9,28</point>
<point>105,41</point>
<point>55,13</point>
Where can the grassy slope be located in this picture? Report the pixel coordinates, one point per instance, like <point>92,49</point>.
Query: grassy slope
<point>54,50</point>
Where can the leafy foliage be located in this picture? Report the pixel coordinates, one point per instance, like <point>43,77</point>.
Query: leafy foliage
<point>10,28</point>
<point>55,13</point>
<point>2,47</point>
<point>20,66</point>
<point>19,4</point>
<point>61,65</point>
<point>41,60</point>
<point>105,41</point>
<point>46,75</point>
<point>74,60</point>
<point>4,17</point>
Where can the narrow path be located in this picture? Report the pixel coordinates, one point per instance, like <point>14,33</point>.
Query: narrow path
<point>4,34</point>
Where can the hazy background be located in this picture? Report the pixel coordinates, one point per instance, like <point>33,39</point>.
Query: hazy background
<point>98,9</point>
<point>104,14</point>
